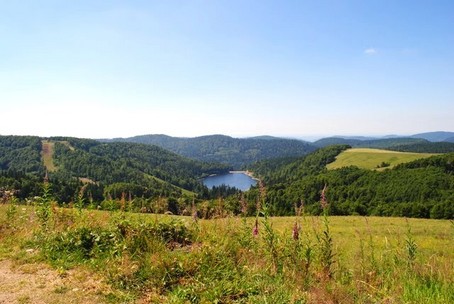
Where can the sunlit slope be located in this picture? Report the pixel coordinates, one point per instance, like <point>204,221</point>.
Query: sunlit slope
<point>374,158</point>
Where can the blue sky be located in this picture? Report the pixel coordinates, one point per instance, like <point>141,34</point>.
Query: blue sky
<point>241,68</point>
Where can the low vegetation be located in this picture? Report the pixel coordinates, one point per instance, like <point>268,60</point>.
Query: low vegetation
<point>262,259</point>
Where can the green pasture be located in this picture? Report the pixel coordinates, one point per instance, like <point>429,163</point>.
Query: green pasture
<point>374,158</point>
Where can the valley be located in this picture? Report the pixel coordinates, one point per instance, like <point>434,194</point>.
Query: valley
<point>152,178</point>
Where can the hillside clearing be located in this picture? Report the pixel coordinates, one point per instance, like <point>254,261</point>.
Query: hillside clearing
<point>374,159</point>
<point>47,154</point>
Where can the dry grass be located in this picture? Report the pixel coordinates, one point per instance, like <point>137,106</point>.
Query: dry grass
<point>38,283</point>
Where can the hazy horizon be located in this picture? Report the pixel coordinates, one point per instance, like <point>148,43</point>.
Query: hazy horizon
<point>109,69</point>
<point>308,138</point>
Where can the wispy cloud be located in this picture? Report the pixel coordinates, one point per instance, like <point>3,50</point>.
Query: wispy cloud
<point>370,51</point>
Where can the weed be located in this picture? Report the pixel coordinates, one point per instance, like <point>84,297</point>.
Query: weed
<point>61,289</point>
<point>43,206</point>
<point>11,213</point>
<point>411,246</point>
<point>325,240</point>
<point>79,203</point>
<point>271,241</point>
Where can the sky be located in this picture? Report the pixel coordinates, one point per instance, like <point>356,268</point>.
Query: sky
<point>104,69</point>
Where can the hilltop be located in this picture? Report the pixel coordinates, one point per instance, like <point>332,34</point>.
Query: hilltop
<point>367,158</point>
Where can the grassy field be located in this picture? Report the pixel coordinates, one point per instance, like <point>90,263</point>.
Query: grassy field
<point>373,158</point>
<point>146,258</point>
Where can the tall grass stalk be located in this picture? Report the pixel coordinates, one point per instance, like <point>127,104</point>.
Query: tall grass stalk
<point>326,240</point>
<point>271,241</point>
<point>44,206</point>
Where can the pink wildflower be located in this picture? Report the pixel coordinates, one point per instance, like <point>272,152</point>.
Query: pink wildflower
<point>255,230</point>
<point>295,232</point>
<point>243,205</point>
<point>323,200</point>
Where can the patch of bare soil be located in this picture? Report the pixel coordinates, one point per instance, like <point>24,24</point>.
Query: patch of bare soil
<point>37,283</point>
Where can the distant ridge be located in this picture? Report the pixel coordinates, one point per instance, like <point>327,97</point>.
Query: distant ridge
<point>241,152</point>
<point>436,136</point>
<point>372,143</point>
<point>356,137</point>
<point>236,152</point>
<point>430,142</point>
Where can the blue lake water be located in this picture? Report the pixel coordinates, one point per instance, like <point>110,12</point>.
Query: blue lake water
<point>238,180</point>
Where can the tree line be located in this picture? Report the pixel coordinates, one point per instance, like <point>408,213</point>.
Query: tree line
<point>422,188</point>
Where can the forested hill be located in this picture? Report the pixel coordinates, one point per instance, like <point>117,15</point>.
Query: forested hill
<point>422,188</point>
<point>237,152</point>
<point>436,136</point>
<point>113,162</point>
<point>410,144</point>
<point>105,168</point>
<point>383,143</point>
<point>21,154</point>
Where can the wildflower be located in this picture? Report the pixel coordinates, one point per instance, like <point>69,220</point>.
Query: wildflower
<point>261,196</point>
<point>194,212</point>
<point>243,205</point>
<point>255,230</point>
<point>195,217</point>
<point>323,201</point>
<point>123,201</point>
<point>295,232</point>
<point>299,209</point>
<point>46,178</point>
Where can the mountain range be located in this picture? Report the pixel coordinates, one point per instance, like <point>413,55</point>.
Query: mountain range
<point>438,136</point>
<point>242,152</point>
<point>236,152</point>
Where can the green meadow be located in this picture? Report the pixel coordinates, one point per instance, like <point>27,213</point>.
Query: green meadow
<point>148,258</point>
<point>374,158</point>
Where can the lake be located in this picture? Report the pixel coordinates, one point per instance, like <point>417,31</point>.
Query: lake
<point>239,180</point>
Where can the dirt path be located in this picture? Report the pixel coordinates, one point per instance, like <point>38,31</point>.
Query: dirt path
<point>37,283</point>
